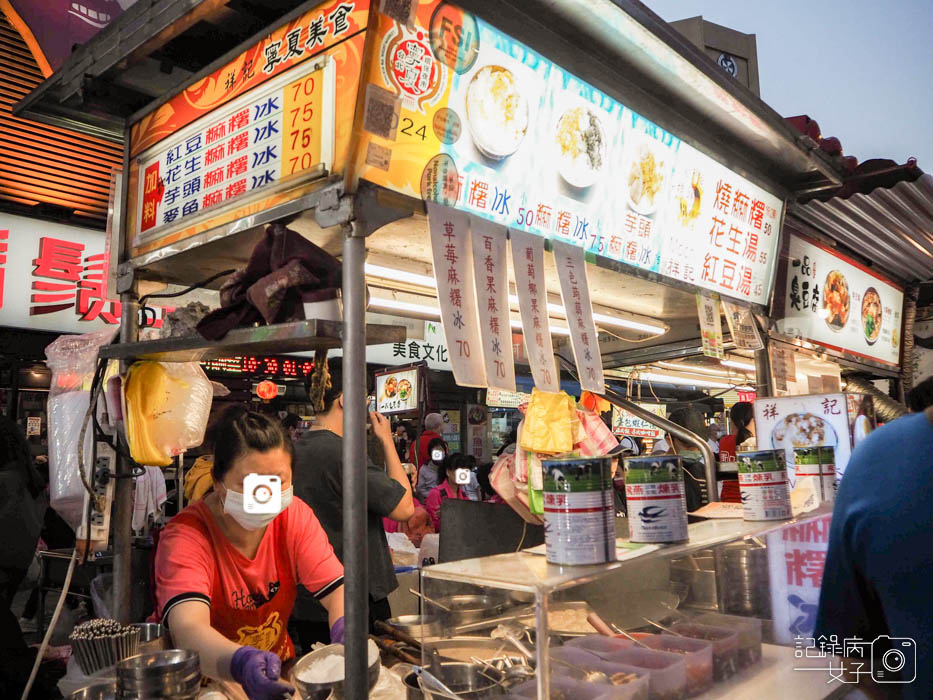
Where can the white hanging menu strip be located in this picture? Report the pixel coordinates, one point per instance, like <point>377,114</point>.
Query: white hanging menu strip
<point>490,266</point>
<point>710,325</point>
<point>453,269</point>
<point>528,264</point>
<point>571,269</point>
<point>742,326</point>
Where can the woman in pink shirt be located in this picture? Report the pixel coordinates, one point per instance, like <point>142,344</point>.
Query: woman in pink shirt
<point>447,488</point>
<point>227,573</point>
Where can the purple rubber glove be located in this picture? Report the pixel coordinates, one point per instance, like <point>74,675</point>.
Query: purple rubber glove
<point>258,672</point>
<point>337,633</point>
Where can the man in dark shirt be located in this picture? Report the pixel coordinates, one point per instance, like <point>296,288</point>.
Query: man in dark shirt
<point>880,559</point>
<point>318,480</point>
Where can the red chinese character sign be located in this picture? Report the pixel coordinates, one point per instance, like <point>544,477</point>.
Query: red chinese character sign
<point>453,269</point>
<point>575,292</point>
<point>490,269</point>
<point>530,285</point>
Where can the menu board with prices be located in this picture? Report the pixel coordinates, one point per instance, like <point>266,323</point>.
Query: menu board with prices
<point>840,304</point>
<point>274,133</point>
<point>575,292</point>
<point>490,267</point>
<point>710,325</point>
<point>535,148</point>
<point>531,288</point>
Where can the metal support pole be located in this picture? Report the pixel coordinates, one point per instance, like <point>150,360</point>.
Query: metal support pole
<point>763,383</point>
<point>355,555</point>
<point>122,517</point>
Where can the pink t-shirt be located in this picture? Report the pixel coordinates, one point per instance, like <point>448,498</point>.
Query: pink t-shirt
<point>438,495</point>
<point>250,599</point>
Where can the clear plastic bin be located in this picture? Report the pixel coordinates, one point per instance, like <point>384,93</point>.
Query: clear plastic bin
<point>599,643</point>
<point>620,675</point>
<point>563,688</point>
<point>667,672</point>
<point>749,629</point>
<point>725,646</point>
<point>697,653</point>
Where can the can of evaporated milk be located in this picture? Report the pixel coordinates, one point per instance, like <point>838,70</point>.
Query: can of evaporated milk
<point>818,464</point>
<point>763,485</point>
<point>657,504</point>
<point>579,515</point>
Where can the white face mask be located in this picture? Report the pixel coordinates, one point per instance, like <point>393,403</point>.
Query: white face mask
<point>437,456</point>
<point>233,506</point>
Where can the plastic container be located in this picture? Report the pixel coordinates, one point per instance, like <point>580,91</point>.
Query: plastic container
<point>667,672</point>
<point>749,629</point>
<point>632,689</point>
<point>725,646</point>
<point>599,644</point>
<point>697,653</point>
<point>564,688</point>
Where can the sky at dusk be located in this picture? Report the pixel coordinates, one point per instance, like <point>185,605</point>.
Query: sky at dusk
<point>863,70</point>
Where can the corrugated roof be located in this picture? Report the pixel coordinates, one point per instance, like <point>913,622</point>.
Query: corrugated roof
<point>890,226</point>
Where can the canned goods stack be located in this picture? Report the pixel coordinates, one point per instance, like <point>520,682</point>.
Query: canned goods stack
<point>745,567</point>
<point>763,485</point>
<point>817,465</point>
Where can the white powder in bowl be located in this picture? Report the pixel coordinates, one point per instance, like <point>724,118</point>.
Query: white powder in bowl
<point>330,668</point>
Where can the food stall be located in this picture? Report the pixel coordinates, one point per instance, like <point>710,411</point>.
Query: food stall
<point>376,131</point>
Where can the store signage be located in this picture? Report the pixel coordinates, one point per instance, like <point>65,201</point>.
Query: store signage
<point>832,300</point>
<point>575,292</point>
<point>275,103</point>
<point>840,421</point>
<point>783,366</point>
<point>530,285</point>
<point>742,326</point>
<point>453,270</point>
<point>625,423</point>
<point>490,268</point>
<point>496,398</point>
<point>796,560</point>
<point>534,148</point>
<point>397,391</point>
<point>710,325</point>
<point>279,131</point>
<point>57,278</point>
<point>33,426</point>
<point>280,367</point>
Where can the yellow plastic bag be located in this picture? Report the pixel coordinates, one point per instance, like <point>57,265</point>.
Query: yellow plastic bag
<point>551,424</point>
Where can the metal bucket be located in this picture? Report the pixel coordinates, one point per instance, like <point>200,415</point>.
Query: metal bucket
<point>98,691</point>
<point>151,637</point>
<point>468,681</point>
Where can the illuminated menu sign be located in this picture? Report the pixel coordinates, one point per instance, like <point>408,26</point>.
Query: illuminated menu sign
<point>281,130</point>
<point>494,128</point>
<point>832,300</point>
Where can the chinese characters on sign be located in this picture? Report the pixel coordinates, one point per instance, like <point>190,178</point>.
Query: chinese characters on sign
<point>710,325</point>
<point>528,266</point>
<point>453,270</point>
<point>625,423</point>
<point>831,300</point>
<point>797,557</point>
<point>742,326</point>
<point>255,141</point>
<point>575,292</point>
<point>490,268</point>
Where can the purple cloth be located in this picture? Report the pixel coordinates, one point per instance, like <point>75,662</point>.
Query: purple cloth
<point>337,633</point>
<point>284,270</point>
<point>259,672</point>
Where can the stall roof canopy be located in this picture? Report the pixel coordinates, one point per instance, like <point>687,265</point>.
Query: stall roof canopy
<point>883,213</point>
<point>157,47</point>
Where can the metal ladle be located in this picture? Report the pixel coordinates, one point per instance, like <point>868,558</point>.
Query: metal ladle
<point>628,636</point>
<point>662,627</point>
<point>432,684</point>
<point>430,600</point>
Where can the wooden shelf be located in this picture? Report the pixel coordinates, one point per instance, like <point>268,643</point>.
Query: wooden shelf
<point>297,336</point>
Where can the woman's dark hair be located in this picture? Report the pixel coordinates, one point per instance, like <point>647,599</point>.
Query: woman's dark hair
<point>741,415</point>
<point>454,462</point>
<point>239,431</point>
<point>15,455</point>
<point>407,427</point>
<point>290,421</point>
<point>921,396</point>
<point>510,440</point>
<point>436,443</point>
<point>482,476</point>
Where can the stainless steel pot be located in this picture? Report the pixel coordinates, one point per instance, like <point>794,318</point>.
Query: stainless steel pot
<point>312,691</point>
<point>98,691</point>
<point>467,680</point>
<point>417,625</point>
<point>465,608</point>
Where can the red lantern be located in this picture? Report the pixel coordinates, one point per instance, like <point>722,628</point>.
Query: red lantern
<point>267,390</point>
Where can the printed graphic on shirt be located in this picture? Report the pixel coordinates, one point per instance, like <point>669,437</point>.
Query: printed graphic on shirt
<point>242,599</point>
<point>264,637</point>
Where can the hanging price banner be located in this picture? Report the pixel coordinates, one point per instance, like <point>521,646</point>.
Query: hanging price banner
<point>453,269</point>
<point>710,325</point>
<point>528,265</point>
<point>742,326</point>
<point>575,292</point>
<point>490,267</point>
